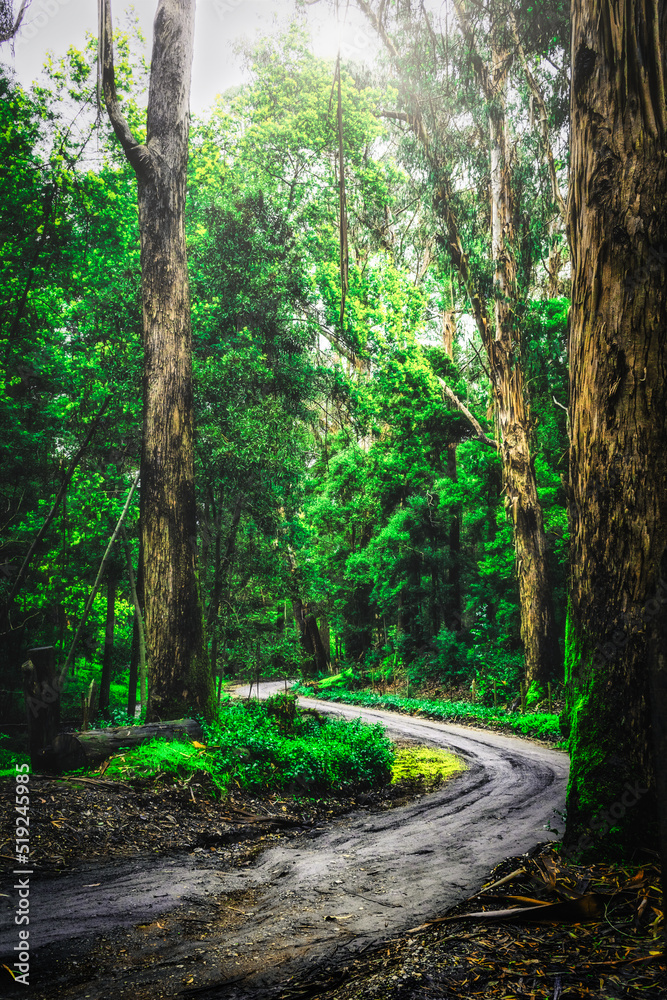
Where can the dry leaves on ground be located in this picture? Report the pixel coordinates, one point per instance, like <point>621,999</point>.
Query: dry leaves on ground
<point>542,929</point>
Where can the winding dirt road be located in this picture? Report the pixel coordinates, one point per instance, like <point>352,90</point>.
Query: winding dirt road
<point>326,895</point>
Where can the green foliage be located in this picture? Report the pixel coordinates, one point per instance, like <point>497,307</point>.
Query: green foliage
<point>118,716</point>
<point>331,470</point>
<point>250,748</point>
<point>9,757</point>
<point>176,759</point>
<point>318,757</point>
<point>336,680</point>
<point>538,724</point>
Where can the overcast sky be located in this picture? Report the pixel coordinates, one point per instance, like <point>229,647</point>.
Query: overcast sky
<point>54,25</point>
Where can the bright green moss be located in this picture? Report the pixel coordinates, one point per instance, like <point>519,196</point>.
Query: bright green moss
<point>430,765</point>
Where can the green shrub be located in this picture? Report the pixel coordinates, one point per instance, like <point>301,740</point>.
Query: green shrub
<point>246,748</point>
<point>541,724</point>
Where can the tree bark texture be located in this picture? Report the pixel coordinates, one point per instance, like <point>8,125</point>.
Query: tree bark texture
<point>538,625</point>
<point>42,700</point>
<point>616,670</point>
<point>315,657</point>
<point>109,628</point>
<point>178,662</point>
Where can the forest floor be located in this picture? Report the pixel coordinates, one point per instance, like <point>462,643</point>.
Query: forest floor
<point>169,931</point>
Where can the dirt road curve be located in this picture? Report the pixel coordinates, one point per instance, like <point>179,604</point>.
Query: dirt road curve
<point>324,895</point>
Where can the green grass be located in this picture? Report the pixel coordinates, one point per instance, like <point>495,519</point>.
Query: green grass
<point>176,759</point>
<point>245,748</point>
<point>538,724</point>
<point>10,758</point>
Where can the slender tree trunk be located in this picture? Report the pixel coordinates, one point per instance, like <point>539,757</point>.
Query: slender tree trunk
<point>223,561</point>
<point>138,655</point>
<point>221,574</point>
<point>616,652</point>
<point>448,331</point>
<point>316,659</point>
<point>454,573</point>
<point>70,661</point>
<point>179,667</point>
<point>538,625</point>
<point>107,656</point>
<point>325,637</point>
<point>133,671</point>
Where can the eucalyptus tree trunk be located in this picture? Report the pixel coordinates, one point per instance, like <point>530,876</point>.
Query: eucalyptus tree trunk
<point>455,609</point>
<point>109,630</point>
<point>538,626</point>
<point>221,574</point>
<point>522,505</point>
<point>616,653</point>
<point>178,662</point>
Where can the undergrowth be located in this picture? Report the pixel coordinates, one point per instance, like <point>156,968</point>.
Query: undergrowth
<point>538,724</point>
<point>251,748</point>
<point>9,758</point>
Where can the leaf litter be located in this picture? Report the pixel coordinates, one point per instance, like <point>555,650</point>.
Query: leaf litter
<point>541,928</point>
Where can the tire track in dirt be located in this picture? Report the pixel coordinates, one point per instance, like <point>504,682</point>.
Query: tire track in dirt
<point>326,895</point>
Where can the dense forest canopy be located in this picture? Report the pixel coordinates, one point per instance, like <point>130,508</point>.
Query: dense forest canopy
<point>331,467</point>
<point>379,287</point>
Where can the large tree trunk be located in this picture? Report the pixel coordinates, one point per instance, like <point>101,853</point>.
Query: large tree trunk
<point>179,667</point>
<point>616,642</point>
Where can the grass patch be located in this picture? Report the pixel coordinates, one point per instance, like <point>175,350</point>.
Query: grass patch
<point>172,759</point>
<point>10,758</point>
<point>248,748</point>
<point>537,724</point>
<point>428,766</point>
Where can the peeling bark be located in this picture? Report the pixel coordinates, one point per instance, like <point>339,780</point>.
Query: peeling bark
<point>616,643</point>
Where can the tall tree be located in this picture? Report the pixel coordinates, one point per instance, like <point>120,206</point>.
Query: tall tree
<point>179,668</point>
<point>616,657</point>
<point>9,23</point>
<point>500,337</point>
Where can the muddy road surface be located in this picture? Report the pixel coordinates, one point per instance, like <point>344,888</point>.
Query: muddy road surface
<point>188,925</point>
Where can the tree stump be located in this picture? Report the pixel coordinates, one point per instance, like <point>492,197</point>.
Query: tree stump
<point>42,700</point>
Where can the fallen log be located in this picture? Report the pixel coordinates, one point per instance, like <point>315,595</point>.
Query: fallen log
<point>70,751</point>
